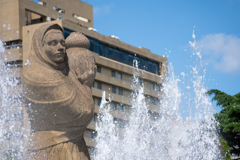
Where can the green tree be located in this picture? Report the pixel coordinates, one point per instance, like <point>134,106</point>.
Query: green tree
<point>225,149</point>
<point>228,118</point>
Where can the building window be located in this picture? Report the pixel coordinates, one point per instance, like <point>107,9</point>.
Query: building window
<point>121,108</point>
<point>40,2</point>
<point>93,118</point>
<point>119,76</point>
<point>120,91</point>
<point>113,89</point>
<point>154,116</point>
<point>121,123</point>
<point>153,101</point>
<point>81,18</point>
<point>115,121</point>
<point>114,106</point>
<point>133,80</point>
<point>158,87</point>
<point>140,82</point>
<point>93,85</point>
<point>113,73</point>
<point>99,86</point>
<point>134,95</point>
<point>159,102</point>
<point>98,69</point>
<point>93,134</point>
<point>152,86</point>
<point>99,102</point>
<point>119,55</point>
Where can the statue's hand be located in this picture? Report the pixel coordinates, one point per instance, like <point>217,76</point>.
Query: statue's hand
<point>89,74</point>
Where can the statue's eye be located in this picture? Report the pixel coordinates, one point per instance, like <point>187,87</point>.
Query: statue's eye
<point>53,43</point>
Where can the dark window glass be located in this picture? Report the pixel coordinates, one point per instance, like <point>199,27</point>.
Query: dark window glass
<point>93,119</point>
<point>110,53</point>
<point>115,120</point>
<point>154,116</point>
<point>149,67</point>
<point>140,82</point>
<point>116,55</point>
<point>158,87</point>
<point>120,92</point>
<point>133,80</point>
<point>121,124</point>
<point>152,86</point>
<point>119,55</point>
<point>99,102</point>
<point>153,101</point>
<point>96,49</point>
<point>99,86</point>
<point>122,56</point>
<point>93,84</point>
<point>93,134</point>
<point>101,50</point>
<point>67,32</point>
<point>119,76</point>
<point>154,68</point>
<point>113,73</point>
<point>142,63</point>
<point>134,95</point>
<point>106,50</point>
<point>136,62</point>
<point>114,106</point>
<point>159,102</point>
<point>121,108</point>
<point>113,89</point>
<point>130,60</point>
<point>99,69</point>
<point>92,46</point>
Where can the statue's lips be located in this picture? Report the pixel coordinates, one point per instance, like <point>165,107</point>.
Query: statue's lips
<point>61,54</point>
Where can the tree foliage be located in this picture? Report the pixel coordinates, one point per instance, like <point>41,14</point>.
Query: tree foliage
<point>228,118</point>
<point>225,149</point>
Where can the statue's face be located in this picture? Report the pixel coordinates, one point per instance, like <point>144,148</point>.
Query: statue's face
<point>54,47</point>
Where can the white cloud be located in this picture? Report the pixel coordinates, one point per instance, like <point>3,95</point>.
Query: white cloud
<point>223,52</point>
<point>102,10</point>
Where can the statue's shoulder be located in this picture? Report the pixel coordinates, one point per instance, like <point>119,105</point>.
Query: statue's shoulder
<point>41,74</point>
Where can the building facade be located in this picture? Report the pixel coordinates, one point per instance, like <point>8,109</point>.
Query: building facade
<point>114,58</point>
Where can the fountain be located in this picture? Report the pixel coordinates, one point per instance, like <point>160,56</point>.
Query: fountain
<point>163,135</point>
<point>146,135</point>
<point>11,110</point>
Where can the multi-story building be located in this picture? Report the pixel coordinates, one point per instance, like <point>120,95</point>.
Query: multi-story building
<point>114,58</point>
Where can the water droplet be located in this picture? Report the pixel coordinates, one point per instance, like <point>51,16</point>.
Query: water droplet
<point>4,25</point>
<point>27,63</point>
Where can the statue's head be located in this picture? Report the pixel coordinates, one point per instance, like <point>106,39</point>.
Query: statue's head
<point>54,45</point>
<point>49,45</point>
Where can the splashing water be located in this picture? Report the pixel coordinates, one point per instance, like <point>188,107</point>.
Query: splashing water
<point>11,121</point>
<point>162,134</point>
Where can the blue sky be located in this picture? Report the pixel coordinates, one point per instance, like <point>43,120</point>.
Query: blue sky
<point>164,26</point>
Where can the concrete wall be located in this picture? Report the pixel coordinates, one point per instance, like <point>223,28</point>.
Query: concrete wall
<point>9,17</point>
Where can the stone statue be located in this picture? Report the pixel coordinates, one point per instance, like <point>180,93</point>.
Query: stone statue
<point>57,94</point>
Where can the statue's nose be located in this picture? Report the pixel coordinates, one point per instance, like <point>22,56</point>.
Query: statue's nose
<point>60,46</point>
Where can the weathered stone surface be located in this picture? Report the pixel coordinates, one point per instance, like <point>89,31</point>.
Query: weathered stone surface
<point>58,98</point>
<point>81,60</point>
